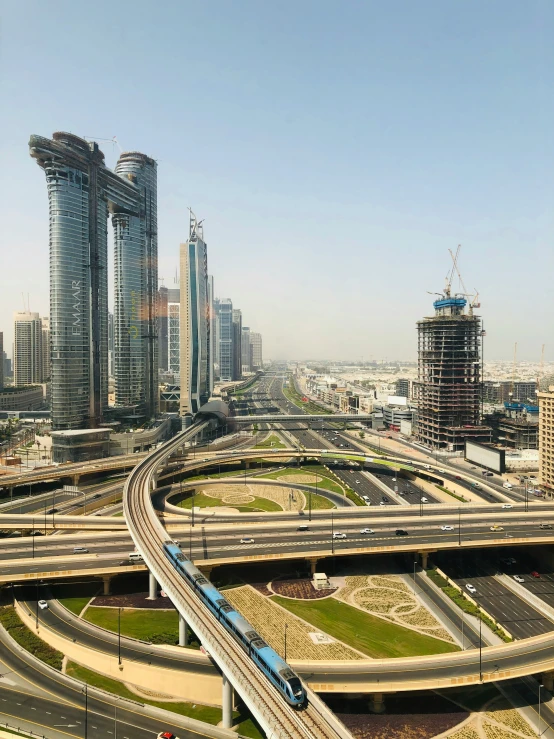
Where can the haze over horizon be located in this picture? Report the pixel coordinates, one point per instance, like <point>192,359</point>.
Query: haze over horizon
<point>333,175</point>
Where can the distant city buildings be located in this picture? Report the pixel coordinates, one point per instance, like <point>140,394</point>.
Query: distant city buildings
<point>2,360</point>
<point>174,333</point>
<point>246,353</point>
<point>225,314</point>
<point>163,346</point>
<point>237,344</point>
<point>448,387</point>
<point>194,321</point>
<point>82,192</point>
<point>256,358</point>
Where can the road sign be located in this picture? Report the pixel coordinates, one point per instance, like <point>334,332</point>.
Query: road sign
<point>71,489</point>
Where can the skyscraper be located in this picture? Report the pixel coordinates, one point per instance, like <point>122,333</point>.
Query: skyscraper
<point>216,339</point>
<point>27,353</point>
<point>163,348</point>
<point>211,320</point>
<point>111,346</point>
<point>546,432</point>
<point>448,387</point>
<point>237,344</point>
<point>225,340</point>
<point>194,321</point>
<point>80,190</point>
<point>1,360</point>
<point>173,332</point>
<point>256,351</point>
<point>136,287</point>
<point>45,349</point>
<point>245,349</point>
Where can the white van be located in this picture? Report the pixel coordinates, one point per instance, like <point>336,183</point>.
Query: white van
<point>136,557</point>
<point>507,485</point>
<point>427,466</point>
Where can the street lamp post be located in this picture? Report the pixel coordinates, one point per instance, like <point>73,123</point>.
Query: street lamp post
<point>480,652</point>
<point>33,537</point>
<point>459,526</point>
<point>415,564</point>
<point>540,688</point>
<point>86,709</point>
<point>332,534</point>
<point>119,636</point>
<point>286,627</point>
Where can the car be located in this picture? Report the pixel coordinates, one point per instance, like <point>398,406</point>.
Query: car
<point>394,479</point>
<point>166,735</point>
<point>471,588</point>
<point>303,527</point>
<point>518,578</point>
<point>338,535</point>
<point>446,527</point>
<point>358,482</point>
<point>496,527</point>
<point>367,531</point>
<point>80,550</point>
<point>51,511</point>
<point>365,497</point>
<point>545,526</point>
<point>424,500</point>
<point>458,477</point>
<point>98,495</point>
<point>382,502</point>
<point>508,536</point>
<point>247,540</point>
<point>507,505</point>
<point>385,499</point>
<point>401,532</point>
<point>535,574</point>
<point>42,604</point>
<point>507,485</point>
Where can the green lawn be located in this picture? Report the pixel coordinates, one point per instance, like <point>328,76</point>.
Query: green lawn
<point>75,605</point>
<point>206,501</point>
<point>319,503</point>
<point>159,627</point>
<point>374,636</point>
<point>271,441</point>
<point>27,638</point>
<point>209,714</point>
<point>327,483</point>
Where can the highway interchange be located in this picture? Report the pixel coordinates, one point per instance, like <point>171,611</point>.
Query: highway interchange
<point>214,542</point>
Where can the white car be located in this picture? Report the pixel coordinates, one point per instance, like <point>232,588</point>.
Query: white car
<point>518,578</point>
<point>358,482</point>
<point>42,604</point>
<point>424,500</point>
<point>382,503</point>
<point>471,588</point>
<point>507,485</point>
<point>338,535</point>
<point>507,505</point>
<point>447,528</point>
<point>247,540</point>
<point>367,531</point>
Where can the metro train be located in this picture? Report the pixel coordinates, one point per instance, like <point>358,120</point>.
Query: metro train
<point>267,660</point>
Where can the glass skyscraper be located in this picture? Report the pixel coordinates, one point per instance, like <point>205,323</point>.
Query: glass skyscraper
<point>136,288</point>
<point>194,321</point>
<point>225,339</point>
<point>81,190</point>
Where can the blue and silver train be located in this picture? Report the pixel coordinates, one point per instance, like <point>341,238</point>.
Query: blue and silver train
<point>266,658</point>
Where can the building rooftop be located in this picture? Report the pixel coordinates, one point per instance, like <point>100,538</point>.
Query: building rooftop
<point>79,432</point>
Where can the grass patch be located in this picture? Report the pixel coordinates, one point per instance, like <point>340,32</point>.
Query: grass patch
<point>449,492</point>
<point>209,714</point>
<point>75,605</point>
<point>158,627</point>
<point>319,503</point>
<point>28,640</point>
<point>467,606</point>
<point>351,495</point>
<point>272,441</point>
<point>206,501</point>
<point>374,636</point>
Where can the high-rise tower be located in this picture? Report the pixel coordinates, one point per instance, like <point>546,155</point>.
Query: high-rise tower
<point>448,388</point>
<point>136,288</point>
<point>80,191</point>
<point>194,321</point>
<point>27,349</point>
<point>225,313</point>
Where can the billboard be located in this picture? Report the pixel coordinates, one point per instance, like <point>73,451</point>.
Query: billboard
<point>485,456</point>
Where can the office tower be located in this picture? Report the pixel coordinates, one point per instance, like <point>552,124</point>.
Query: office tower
<point>245,349</point>
<point>448,387</point>
<point>80,191</point>
<point>546,432</point>
<point>211,320</point>
<point>194,321</point>
<point>237,344</point>
<point>2,360</point>
<point>403,388</point>
<point>163,339</point>
<point>7,366</point>
<point>257,362</point>
<point>225,340</point>
<point>111,346</point>
<point>173,332</point>
<point>27,349</point>
<point>136,287</point>
<point>216,339</point>
<point>45,349</point>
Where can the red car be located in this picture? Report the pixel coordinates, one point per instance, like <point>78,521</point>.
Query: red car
<point>458,477</point>
<point>535,574</point>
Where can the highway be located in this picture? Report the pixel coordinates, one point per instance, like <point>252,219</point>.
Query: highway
<point>265,703</point>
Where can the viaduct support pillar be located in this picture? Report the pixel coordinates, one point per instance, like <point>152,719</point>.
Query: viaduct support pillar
<point>313,565</point>
<point>183,632</point>
<point>227,703</point>
<point>107,580</point>
<point>377,703</point>
<point>75,479</point>
<point>152,587</point>
<point>424,557</point>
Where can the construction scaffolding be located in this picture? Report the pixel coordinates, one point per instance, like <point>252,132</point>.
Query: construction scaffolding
<point>449,387</point>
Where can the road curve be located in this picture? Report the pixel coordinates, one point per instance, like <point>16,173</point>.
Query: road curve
<point>278,719</point>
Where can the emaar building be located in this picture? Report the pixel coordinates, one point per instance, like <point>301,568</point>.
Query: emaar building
<point>194,321</point>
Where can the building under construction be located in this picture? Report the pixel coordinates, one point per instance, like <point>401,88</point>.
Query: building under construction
<point>448,388</point>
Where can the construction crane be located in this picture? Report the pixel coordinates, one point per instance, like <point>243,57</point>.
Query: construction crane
<point>112,141</point>
<point>474,302</point>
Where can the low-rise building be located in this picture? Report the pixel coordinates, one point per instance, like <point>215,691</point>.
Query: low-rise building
<point>80,445</point>
<point>27,398</point>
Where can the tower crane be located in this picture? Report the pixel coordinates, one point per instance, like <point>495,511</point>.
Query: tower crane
<point>112,141</point>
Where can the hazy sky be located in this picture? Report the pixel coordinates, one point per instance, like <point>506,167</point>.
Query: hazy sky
<point>336,151</point>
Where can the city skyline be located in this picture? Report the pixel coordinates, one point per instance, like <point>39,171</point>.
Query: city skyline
<point>419,157</point>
